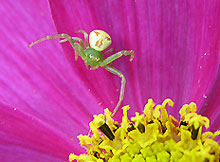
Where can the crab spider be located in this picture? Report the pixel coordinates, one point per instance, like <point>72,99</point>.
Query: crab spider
<point>90,52</point>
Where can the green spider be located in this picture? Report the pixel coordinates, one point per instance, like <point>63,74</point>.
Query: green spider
<point>92,56</point>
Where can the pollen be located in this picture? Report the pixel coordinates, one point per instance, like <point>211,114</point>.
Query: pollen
<point>153,136</point>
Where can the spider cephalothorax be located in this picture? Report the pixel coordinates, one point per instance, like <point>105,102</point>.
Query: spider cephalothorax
<point>91,52</point>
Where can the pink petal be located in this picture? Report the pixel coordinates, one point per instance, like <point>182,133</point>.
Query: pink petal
<point>26,138</point>
<point>176,47</point>
<point>211,107</point>
<point>91,15</point>
<point>39,82</point>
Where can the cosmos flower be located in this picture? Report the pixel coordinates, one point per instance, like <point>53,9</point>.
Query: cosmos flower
<point>47,98</point>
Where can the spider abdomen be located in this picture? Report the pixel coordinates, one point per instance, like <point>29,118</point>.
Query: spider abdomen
<point>93,56</point>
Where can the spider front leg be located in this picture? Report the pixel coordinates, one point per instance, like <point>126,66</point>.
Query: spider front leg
<point>116,56</point>
<point>78,48</point>
<point>74,39</point>
<point>123,81</point>
<point>116,72</point>
<point>55,36</point>
<point>108,51</point>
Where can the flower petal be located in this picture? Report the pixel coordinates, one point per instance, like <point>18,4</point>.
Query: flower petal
<point>39,81</point>
<point>26,138</point>
<point>175,36</point>
<point>176,46</point>
<point>211,107</point>
<point>108,16</point>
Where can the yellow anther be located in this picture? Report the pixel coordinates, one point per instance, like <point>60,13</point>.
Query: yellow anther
<point>197,120</point>
<point>138,119</point>
<point>192,107</point>
<point>85,140</point>
<point>99,120</point>
<point>109,120</point>
<point>156,112</point>
<point>186,109</point>
<point>210,135</point>
<point>125,121</point>
<point>164,114</point>
<point>94,130</point>
<point>148,109</point>
<point>168,101</point>
<point>162,139</point>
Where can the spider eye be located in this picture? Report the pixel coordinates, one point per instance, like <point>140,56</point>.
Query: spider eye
<point>99,40</point>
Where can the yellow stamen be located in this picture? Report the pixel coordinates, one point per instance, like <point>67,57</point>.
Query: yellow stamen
<point>153,136</point>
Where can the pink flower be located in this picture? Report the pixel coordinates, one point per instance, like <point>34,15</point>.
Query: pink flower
<point>47,98</point>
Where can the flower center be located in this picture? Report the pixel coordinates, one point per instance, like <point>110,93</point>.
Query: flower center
<point>152,136</point>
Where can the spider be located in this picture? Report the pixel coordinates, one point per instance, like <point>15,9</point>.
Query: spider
<point>91,51</point>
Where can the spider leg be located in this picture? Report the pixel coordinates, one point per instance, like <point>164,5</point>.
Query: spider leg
<point>55,36</point>
<point>79,50</point>
<point>116,56</point>
<point>123,81</point>
<point>75,39</point>
<point>85,37</point>
<point>108,51</point>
